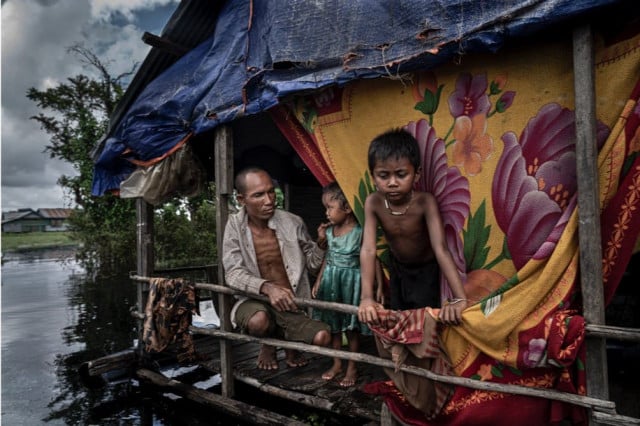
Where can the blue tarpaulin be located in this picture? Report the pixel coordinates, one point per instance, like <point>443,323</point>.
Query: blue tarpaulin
<point>263,51</point>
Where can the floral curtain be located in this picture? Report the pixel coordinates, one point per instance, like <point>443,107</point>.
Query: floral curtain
<point>497,138</point>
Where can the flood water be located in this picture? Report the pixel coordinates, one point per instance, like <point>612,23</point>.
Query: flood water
<point>53,320</point>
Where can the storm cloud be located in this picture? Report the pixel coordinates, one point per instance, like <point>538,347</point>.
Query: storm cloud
<point>35,37</point>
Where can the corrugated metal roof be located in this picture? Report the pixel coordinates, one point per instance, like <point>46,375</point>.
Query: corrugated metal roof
<point>16,215</point>
<point>55,213</point>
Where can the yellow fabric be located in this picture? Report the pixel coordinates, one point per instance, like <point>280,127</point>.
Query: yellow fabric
<point>539,74</point>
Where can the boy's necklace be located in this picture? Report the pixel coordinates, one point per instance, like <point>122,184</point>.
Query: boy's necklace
<point>402,213</point>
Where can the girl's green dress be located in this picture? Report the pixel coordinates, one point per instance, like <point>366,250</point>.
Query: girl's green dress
<point>340,281</point>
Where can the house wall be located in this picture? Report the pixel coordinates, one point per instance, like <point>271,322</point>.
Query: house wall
<point>28,225</point>
<point>57,226</point>
<point>12,227</point>
<point>35,225</point>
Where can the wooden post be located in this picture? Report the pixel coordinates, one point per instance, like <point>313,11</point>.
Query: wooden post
<point>223,152</point>
<point>144,258</point>
<point>589,210</point>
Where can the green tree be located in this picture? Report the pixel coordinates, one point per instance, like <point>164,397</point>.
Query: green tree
<point>76,115</point>
<point>185,231</point>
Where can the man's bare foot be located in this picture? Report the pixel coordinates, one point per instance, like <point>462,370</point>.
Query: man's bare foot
<point>349,378</point>
<point>267,358</point>
<point>294,358</point>
<point>332,372</point>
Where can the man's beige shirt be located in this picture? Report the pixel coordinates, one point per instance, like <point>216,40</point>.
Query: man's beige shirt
<point>300,254</point>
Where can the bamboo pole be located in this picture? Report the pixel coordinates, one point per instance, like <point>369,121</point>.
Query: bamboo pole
<point>339,307</point>
<point>610,332</point>
<point>602,410</point>
<point>583,401</point>
<point>247,412</point>
<point>615,419</point>
<point>618,333</point>
<point>118,360</point>
<point>313,303</point>
<point>303,398</point>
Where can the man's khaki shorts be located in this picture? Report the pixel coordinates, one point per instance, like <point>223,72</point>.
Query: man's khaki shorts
<point>293,326</point>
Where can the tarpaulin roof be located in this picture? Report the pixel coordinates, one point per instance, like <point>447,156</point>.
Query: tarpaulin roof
<point>263,51</point>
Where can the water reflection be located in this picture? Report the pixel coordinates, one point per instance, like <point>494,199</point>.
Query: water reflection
<point>54,319</point>
<point>102,325</point>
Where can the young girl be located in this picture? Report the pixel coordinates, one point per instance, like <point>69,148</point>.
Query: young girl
<point>339,278</point>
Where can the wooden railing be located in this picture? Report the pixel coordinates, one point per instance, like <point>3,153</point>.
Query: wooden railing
<point>603,411</point>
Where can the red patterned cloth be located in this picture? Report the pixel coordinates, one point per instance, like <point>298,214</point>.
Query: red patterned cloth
<point>498,151</point>
<point>411,338</point>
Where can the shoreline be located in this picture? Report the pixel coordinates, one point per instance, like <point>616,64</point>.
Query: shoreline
<point>35,248</point>
<point>53,251</point>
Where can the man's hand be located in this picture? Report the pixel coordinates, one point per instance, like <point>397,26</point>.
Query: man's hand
<point>451,312</point>
<point>368,311</point>
<point>280,298</point>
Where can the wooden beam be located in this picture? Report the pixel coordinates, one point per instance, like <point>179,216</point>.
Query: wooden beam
<point>144,259</point>
<point>610,332</point>
<point>589,210</point>
<point>118,360</point>
<point>615,419</point>
<point>298,397</point>
<point>164,44</point>
<point>235,408</point>
<point>223,153</point>
<point>583,401</point>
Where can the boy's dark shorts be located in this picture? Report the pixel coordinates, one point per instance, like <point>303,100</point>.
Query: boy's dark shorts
<point>293,326</point>
<point>414,286</point>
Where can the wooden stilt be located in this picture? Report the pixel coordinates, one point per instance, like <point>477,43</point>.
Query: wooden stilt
<point>224,189</point>
<point>589,210</point>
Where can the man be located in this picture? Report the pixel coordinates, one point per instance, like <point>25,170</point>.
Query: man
<point>268,251</point>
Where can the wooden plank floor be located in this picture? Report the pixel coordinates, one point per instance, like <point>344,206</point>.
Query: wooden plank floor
<point>302,381</point>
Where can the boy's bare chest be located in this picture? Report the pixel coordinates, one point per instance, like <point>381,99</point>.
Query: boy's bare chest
<point>411,225</point>
<point>407,237</point>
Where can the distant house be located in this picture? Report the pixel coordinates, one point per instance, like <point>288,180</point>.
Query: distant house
<point>41,220</point>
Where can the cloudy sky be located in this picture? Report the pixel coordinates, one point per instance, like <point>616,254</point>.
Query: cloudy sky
<point>35,38</point>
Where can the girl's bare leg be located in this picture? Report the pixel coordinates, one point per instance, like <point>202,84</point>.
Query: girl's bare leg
<point>336,368</point>
<point>352,370</point>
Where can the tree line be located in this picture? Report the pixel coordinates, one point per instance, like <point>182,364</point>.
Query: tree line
<point>75,114</point>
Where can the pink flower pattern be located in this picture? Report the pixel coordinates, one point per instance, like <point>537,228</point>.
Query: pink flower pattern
<point>450,188</point>
<point>470,97</point>
<point>535,183</point>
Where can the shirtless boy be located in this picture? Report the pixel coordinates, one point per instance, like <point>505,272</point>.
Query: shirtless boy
<point>268,251</point>
<point>413,229</point>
